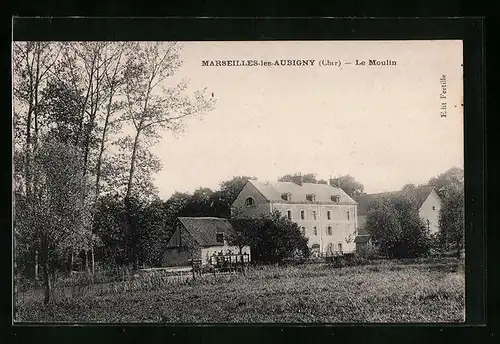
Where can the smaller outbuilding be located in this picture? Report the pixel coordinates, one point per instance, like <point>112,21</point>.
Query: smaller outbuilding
<point>200,238</point>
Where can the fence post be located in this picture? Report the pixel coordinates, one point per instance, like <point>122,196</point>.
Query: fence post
<point>36,265</point>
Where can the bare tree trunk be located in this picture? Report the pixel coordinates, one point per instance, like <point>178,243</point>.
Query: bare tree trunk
<point>132,164</point>
<point>36,265</point>
<point>93,260</point>
<point>128,205</point>
<point>87,265</point>
<point>46,282</point>
<point>101,150</point>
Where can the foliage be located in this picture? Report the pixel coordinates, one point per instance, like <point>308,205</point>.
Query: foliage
<point>299,178</point>
<point>108,225</point>
<point>349,184</point>
<point>153,233</point>
<point>54,220</point>
<point>368,251</point>
<point>451,217</point>
<point>272,238</point>
<point>454,177</point>
<point>395,225</point>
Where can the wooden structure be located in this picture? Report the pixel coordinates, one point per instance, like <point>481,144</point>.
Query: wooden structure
<point>228,262</point>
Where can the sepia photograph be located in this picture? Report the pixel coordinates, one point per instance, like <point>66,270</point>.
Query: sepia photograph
<point>221,182</point>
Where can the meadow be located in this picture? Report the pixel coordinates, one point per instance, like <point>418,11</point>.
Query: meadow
<point>384,291</point>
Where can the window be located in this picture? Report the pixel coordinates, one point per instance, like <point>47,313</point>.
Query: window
<point>335,198</point>
<point>249,202</point>
<point>285,196</point>
<point>302,215</point>
<point>314,214</point>
<point>304,231</point>
<point>328,215</point>
<point>340,246</point>
<point>219,237</point>
<point>329,230</point>
<point>289,214</point>
<point>433,208</point>
<point>348,217</point>
<point>311,198</point>
<point>315,230</point>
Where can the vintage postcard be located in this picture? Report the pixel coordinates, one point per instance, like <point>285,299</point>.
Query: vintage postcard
<point>238,182</point>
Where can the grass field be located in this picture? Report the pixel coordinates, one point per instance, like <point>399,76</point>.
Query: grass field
<point>385,292</point>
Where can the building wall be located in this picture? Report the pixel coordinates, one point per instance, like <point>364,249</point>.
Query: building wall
<point>261,206</point>
<point>207,252</point>
<point>181,248</point>
<point>342,227</point>
<point>429,211</point>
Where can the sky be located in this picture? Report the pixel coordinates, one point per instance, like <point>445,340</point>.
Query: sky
<point>380,124</point>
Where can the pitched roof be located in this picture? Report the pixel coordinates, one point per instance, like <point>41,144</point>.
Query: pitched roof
<point>323,192</point>
<point>420,194</point>
<point>361,239</point>
<point>204,229</point>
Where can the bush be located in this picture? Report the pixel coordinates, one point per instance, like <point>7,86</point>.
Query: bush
<point>368,251</point>
<point>273,239</point>
<point>395,224</point>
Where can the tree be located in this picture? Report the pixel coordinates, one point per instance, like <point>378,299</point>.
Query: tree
<point>113,81</point>
<point>151,106</point>
<point>33,67</point>
<point>299,178</point>
<point>272,238</point>
<point>108,226</point>
<point>153,232</point>
<point>55,218</point>
<point>349,184</point>
<point>452,177</point>
<point>383,225</point>
<point>227,194</point>
<point>396,227</point>
<point>451,217</point>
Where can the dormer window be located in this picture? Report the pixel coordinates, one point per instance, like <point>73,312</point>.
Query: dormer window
<point>249,202</point>
<point>219,237</point>
<point>285,197</point>
<point>311,198</point>
<point>335,198</point>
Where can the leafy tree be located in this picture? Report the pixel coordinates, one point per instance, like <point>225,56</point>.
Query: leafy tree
<point>272,238</point>
<point>108,225</point>
<point>223,199</point>
<point>113,82</point>
<point>232,188</point>
<point>201,203</point>
<point>299,178</point>
<point>349,184</point>
<point>452,177</point>
<point>151,106</point>
<point>153,232</point>
<point>34,65</point>
<point>396,227</point>
<point>54,220</point>
<point>451,217</point>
